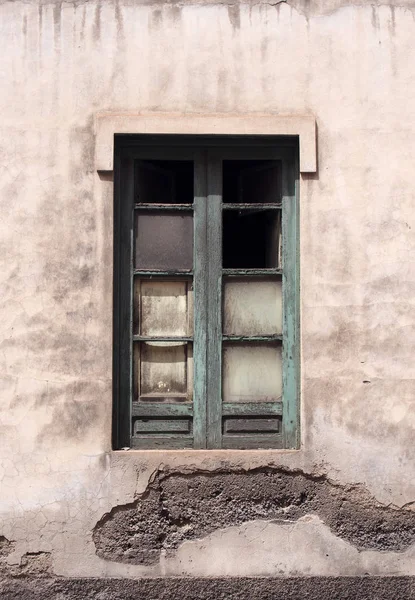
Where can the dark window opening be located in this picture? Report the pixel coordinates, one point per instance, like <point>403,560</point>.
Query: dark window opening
<point>251,182</point>
<point>164,182</point>
<point>251,239</point>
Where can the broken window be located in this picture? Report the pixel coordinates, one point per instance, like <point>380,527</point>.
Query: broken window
<point>205,299</point>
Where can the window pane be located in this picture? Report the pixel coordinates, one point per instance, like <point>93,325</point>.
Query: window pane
<point>251,181</point>
<point>163,371</point>
<point>164,182</point>
<point>163,308</point>
<point>251,239</point>
<point>163,241</point>
<point>251,373</point>
<point>252,307</point>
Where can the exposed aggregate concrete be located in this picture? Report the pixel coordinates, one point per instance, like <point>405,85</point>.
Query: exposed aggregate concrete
<point>257,588</point>
<point>179,507</point>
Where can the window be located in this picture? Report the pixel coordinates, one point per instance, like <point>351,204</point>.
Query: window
<point>205,292</point>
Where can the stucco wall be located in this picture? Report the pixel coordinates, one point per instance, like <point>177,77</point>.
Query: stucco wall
<point>62,490</point>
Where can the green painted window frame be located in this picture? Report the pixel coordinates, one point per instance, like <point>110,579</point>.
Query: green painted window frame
<point>207,410</point>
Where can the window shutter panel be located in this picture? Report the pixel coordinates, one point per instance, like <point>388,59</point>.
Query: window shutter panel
<point>162,408</point>
<point>251,363</point>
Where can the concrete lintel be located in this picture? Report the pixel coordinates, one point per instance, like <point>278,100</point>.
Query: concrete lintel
<point>108,124</point>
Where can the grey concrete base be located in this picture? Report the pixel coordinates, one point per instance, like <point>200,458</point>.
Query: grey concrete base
<point>301,588</point>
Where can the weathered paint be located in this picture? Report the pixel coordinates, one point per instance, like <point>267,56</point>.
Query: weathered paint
<point>349,65</point>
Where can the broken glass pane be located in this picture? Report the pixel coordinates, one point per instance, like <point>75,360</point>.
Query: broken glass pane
<point>251,181</point>
<point>251,239</point>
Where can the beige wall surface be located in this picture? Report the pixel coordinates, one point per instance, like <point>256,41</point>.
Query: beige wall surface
<point>350,65</point>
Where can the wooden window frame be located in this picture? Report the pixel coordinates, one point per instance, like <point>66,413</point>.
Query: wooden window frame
<point>207,409</point>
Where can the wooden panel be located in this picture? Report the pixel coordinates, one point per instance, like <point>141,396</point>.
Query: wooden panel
<point>149,426</point>
<point>163,240</point>
<point>251,373</point>
<point>163,308</point>
<point>251,425</point>
<point>252,442</point>
<point>252,307</point>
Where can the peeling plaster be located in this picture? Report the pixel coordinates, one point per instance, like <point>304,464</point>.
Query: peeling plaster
<point>178,507</point>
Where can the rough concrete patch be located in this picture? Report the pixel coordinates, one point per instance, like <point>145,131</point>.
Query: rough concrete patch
<point>145,527</point>
<point>230,588</point>
<point>179,507</point>
<point>32,564</point>
<point>36,564</point>
<point>6,547</point>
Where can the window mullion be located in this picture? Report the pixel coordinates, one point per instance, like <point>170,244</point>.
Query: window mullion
<point>214,300</point>
<point>200,286</point>
<point>290,306</point>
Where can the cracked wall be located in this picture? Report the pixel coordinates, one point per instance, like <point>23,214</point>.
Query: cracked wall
<point>349,65</point>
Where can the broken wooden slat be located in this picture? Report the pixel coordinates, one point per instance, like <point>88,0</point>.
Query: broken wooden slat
<point>252,338</point>
<point>251,272</point>
<point>252,409</point>
<point>164,207</point>
<point>252,206</point>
